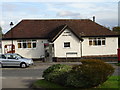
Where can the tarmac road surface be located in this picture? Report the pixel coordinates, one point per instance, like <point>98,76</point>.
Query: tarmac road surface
<point>23,78</point>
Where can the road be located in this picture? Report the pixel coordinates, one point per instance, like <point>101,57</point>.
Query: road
<point>23,78</point>
<point>35,73</point>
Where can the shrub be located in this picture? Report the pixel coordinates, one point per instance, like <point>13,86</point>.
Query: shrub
<point>91,73</point>
<point>57,73</point>
<point>118,64</point>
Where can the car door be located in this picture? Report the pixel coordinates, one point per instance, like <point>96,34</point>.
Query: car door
<point>3,60</point>
<point>12,60</point>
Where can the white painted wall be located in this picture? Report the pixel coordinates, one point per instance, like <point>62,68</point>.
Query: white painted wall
<point>27,52</point>
<point>59,49</point>
<point>109,49</point>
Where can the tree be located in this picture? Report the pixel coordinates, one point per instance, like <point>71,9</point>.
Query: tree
<point>0,32</point>
<point>117,30</point>
<point>0,39</point>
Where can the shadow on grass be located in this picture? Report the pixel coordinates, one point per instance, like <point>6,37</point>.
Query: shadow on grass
<point>112,82</point>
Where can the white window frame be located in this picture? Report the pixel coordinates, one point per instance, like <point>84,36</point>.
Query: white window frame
<point>99,41</point>
<point>26,42</point>
<point>66,43</point>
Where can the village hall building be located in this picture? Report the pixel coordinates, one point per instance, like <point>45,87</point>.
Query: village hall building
<point>60,38</point>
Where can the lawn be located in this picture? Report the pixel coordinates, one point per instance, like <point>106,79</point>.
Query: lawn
<point>112,82</point>
<point>45,84</point>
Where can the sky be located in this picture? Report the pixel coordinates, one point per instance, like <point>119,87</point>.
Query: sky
<point>119,14</point>
<point>105,11</point>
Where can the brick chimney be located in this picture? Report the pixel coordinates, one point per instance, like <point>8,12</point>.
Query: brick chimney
<point>93,18</point>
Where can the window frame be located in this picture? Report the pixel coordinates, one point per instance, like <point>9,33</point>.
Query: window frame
<point>97,41</point>
<point>68,45</point>
<point>28,43</point>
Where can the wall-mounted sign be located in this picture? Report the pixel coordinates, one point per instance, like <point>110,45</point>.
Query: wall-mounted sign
<point>66,33</point>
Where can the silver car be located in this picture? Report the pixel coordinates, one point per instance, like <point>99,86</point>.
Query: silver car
<point>14,59</point>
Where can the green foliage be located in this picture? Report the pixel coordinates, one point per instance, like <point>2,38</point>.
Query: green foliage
<point>0,32</point>
<point>112,82</point>
<point>118,64</point>
<point>0,28</point>
<point>57,73</point>
<point>90,74</point>
<point>45,84</point>
<point>117,30</point>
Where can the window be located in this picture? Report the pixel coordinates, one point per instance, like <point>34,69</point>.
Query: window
<point>2,56</point>
<point>11,57</point>
<point>34,43</point>
<point>19,44</point>
<point>66,44</point>
<point>24,44</point>
<point>96,41</point>
<point>27,43</point>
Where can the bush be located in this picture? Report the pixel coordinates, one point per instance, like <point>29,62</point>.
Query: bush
<point>90,74</point>
<point>57,73</point>
<point>118,64</point>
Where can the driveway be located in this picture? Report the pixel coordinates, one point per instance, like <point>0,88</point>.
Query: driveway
<point>117,70</point>
<point>23,78</point>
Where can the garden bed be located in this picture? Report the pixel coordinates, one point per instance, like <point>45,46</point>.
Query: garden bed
<point>112,82</point>
<point>88,75</point>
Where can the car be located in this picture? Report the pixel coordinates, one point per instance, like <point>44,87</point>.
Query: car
<point>14,59</point>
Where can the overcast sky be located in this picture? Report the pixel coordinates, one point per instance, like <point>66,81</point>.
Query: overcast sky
<point>105,11</point>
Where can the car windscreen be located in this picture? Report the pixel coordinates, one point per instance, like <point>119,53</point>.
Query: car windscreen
<point>19,56</point>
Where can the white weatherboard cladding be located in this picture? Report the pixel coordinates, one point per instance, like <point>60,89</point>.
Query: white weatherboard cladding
<point>27,52</point>
<point>109,49</point>
<point>60,50</point>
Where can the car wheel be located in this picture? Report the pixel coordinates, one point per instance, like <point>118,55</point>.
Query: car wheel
<point>23,65</point>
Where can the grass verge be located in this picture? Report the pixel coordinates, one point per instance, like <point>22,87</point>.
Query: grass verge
<point>112,82</point>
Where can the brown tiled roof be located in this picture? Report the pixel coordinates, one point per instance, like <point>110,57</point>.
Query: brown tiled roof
<point>52,36</point>
<point>43,29</point>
